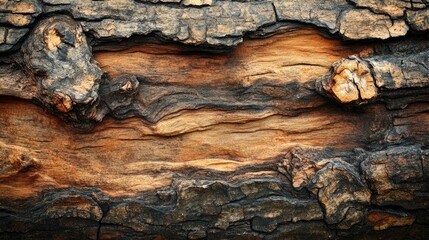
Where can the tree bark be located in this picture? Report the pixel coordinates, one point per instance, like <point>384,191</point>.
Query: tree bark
<point>214,119</point>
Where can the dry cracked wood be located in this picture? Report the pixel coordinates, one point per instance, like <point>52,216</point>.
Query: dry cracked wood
<point>381,76</point>
<point>215,22</point>
<point>155,123</point>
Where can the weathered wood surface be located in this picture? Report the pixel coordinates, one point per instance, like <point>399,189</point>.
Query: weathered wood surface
<point>209,119</point>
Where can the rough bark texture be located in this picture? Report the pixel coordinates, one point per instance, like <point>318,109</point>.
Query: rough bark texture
<point>214,119</point>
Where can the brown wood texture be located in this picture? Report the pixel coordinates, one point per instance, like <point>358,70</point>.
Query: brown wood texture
<point>282,58</point>
<point>214,119</point>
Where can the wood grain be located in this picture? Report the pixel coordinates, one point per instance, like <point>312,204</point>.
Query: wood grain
<point>195,142</point>
<point>302,55</point>
<point>157,153</point>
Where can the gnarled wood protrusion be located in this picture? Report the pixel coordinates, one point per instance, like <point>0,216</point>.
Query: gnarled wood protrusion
<point>58,58</point>
<point>384,76</point>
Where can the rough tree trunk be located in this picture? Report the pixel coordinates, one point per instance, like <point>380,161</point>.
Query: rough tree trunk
<point>214,119</point>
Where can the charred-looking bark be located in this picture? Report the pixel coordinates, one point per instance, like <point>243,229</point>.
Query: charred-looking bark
<point>214,119</point>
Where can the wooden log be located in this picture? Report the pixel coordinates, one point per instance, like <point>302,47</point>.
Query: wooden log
<point>207,119</point>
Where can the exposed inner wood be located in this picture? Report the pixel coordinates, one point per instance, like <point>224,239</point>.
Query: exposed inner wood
<point>301,55</point>
<point>43,151</point>
<point>209,139</point>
